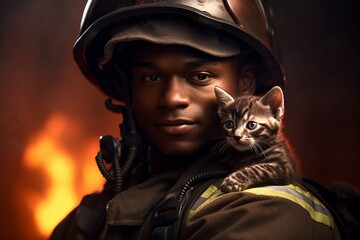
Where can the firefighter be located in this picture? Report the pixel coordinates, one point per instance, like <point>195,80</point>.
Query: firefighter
<point>162,60</point>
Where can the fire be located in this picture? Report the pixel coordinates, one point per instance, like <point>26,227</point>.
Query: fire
<point>66,181</point>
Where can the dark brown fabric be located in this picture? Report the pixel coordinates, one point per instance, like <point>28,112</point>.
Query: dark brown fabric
<point>237,215</point>
<point>248,216</point>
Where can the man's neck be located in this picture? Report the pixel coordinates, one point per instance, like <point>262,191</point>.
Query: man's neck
<point>160,162</point>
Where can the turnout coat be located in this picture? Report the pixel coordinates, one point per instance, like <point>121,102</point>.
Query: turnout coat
<point>152,209</point>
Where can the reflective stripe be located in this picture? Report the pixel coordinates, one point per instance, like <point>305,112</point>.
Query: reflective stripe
<point>306,196</point>
<point>317,211</point>
<point>210,194</point>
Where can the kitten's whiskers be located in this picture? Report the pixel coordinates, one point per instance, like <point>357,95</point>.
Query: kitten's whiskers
<point>265,142</point>
<point>258,149</point>
<point>221,146</point>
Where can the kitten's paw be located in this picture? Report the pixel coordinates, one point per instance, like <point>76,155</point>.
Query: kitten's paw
<point>229,185</point>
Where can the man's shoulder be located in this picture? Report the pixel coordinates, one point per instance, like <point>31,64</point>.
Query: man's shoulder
<point>284,210</point>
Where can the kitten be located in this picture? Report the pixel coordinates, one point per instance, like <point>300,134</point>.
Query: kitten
<point>258,151</point>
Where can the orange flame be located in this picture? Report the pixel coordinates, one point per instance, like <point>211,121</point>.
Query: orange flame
<point>67,182</point>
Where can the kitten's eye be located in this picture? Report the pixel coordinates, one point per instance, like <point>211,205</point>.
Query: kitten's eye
<point>229,124</point>
<point>251,125</point>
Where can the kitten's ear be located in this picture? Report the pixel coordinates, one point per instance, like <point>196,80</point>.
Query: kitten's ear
<point>223,97</point>
<point>275,99</point>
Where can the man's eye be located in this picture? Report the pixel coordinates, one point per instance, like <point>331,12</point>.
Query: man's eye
<point>200,77</point>
<point>152,78</point>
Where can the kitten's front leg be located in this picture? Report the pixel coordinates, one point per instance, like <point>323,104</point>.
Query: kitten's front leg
<point>235,182</point>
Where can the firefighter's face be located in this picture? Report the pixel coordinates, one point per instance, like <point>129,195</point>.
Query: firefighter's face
<point>173,95</point>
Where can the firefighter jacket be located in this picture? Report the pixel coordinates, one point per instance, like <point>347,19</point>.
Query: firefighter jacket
<point>266,212</point>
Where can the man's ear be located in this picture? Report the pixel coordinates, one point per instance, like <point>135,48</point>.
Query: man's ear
<point>246,80</point>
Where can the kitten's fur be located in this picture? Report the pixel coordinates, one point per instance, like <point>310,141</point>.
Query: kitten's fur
<point>258,152</point>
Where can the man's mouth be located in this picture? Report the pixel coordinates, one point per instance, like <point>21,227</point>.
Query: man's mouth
<point>176,127</point>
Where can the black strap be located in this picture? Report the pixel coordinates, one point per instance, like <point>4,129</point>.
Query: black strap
<point>166,219</point>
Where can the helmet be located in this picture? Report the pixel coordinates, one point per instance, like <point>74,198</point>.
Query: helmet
<point>246,21</point>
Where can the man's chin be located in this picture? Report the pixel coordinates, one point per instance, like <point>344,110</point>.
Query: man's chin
<point>178,149</point>
<point>184,150</point>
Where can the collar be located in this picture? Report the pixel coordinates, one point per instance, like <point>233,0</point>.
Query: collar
<point>132,206</point>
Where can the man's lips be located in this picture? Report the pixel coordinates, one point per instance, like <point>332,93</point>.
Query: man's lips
<point>176,127</point>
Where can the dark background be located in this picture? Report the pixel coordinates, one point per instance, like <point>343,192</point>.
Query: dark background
<point>319,40</point>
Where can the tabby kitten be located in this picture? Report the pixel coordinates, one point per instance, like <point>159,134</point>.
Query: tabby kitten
<point>258,152</point>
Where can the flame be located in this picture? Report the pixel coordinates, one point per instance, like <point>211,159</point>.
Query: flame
<point>66,182</point>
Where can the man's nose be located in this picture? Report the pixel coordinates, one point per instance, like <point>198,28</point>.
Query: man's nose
<point>174,94</point>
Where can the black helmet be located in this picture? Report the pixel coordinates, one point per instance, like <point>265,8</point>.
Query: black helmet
<point>245,21</point>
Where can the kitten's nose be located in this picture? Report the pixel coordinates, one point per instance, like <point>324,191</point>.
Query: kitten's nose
<point>237,138</point>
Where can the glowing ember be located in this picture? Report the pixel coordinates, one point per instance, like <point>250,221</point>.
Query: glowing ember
<point>66,183</point>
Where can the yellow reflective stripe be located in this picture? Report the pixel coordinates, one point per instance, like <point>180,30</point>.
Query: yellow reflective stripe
<point>209,191</point>
<point>307,194</point>
<point>317,211</point>
<point>306,200</point>
<point>209,195</point>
